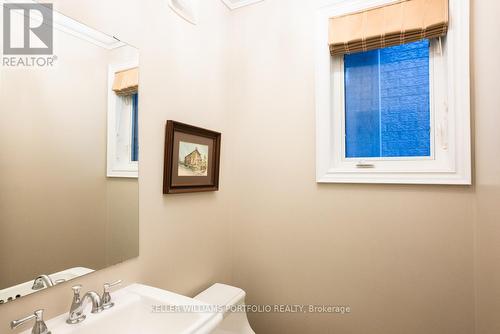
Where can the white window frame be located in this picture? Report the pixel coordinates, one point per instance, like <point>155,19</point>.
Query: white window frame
<point>117,166</point>
<point>450,160</point>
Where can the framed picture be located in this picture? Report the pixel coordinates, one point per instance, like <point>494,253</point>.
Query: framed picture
<point>192,159</point>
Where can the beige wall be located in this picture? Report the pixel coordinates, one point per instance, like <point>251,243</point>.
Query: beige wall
<point>401,256</point>
<point>53,163</point>
<point>122,220</point>
<point>486,101</point>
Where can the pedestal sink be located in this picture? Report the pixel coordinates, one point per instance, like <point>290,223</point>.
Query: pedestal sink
<point>141,309</point>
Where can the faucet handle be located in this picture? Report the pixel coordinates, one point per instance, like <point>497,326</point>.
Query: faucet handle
<point>76,312</point>
<point>108,286</point>
<point>39,328</point>
<point>106,296</point>
<point>76,290</point>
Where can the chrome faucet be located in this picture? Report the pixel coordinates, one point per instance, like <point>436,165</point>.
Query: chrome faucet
<point>38,328</point>
<point>78,305</point>
<point>44,281</point>
<point>106,296</point>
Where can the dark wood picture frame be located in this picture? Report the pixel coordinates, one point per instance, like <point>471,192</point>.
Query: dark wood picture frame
<point>175,184</point>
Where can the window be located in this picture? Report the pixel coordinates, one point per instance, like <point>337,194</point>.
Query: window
<point>387,102</point>
<point>123,121</point>
<point>135,128</point>
<point>397,114</point>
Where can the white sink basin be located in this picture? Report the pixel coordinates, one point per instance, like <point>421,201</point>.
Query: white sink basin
<point>140,309</point>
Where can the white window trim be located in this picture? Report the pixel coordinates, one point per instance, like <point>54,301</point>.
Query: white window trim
<point>452,129</point>
<point>115,169</point>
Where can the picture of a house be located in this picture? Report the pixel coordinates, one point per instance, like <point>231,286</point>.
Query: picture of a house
<point>193,159</point>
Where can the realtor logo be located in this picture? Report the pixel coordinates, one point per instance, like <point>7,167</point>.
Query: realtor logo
<point>27,29</point>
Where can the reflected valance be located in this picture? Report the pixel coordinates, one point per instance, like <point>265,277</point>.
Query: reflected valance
<point>126,82</point>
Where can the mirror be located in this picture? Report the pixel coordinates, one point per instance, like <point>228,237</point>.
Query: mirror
<point>69,152</point>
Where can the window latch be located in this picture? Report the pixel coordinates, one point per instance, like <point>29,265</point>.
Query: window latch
<point>365,165</point>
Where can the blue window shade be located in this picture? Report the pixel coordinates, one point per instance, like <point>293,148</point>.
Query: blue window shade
<point>387,103</point>
<point>135,128</point>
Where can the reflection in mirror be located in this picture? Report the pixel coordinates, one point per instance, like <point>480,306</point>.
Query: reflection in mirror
<point>69,161</point>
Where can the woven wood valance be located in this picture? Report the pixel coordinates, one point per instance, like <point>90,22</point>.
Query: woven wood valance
<point>126,82</point>
<point>394,24</point>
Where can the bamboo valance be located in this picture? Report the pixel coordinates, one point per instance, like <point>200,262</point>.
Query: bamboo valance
<point>126,82</point>
<point>398,23</point>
